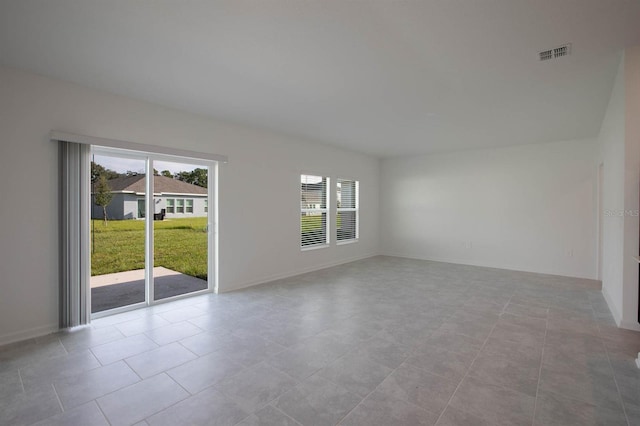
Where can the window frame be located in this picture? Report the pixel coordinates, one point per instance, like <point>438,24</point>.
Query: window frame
<point>326,210</point>
<point>170,203</point>
<point>355,209</point>
<point>180,205</point>
<point>188,201</point>
<point>142,213</point>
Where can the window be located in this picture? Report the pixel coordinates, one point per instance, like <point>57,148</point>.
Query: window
<point>313,210</point>
<point>189,208</point>
<point>171,205</point>
<point>206,206</point>
<point>347,210</point>
<point>142,207</point>
<point>179,206</point>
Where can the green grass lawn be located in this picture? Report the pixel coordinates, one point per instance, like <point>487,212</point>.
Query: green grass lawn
<point>314,223</point>
<point>311,223</point>
<point>179,244</point>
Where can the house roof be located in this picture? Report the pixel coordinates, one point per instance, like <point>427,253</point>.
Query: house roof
<point>308,187</point>
<point>161,185</point>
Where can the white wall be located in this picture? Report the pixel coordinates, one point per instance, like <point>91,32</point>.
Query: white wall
<point>256,244</point>
<point>612,151</point>
<point>529,208</point>
<point>619,141</point>
<point>631,188</point>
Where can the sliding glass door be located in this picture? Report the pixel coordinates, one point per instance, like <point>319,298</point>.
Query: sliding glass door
<point>118,187</point>
<point>180,229</point>
<point>151,229</point>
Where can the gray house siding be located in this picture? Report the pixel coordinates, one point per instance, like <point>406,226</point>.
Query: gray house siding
<point>199,203</point>
<point>115,209</point>
<point>130,205</point>
<point>178,199</point>
<point>125,206</point>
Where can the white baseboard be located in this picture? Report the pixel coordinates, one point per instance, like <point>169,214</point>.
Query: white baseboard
<point>629,325</point>
<point>296,272</point>
<point>484,265</point>
<point>28,334</point>
<point>617,317</point>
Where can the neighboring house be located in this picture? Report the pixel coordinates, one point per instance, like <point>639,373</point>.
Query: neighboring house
<point>177,198</point>
<point>312,195</point>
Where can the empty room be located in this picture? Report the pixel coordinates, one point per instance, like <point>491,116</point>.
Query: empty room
<point>320,212</point>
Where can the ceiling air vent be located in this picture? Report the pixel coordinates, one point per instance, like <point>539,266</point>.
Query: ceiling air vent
<point>556,52</point>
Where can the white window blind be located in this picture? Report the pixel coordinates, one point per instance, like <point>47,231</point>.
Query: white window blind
<point>347,210</point>
<point>313,210</point>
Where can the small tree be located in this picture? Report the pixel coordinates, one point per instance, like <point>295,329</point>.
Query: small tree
<point>103,195</point>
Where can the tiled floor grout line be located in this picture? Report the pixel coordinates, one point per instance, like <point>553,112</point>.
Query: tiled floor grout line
<point>393,371</point>
<point>615,379</point>
<point>269,404</point>
<point>297,382</point>
<point>367,396</point>
<point>300,381</point>
<point>472,362</point>
<point>63,347</point>
<point>377,386</point>
<point>95,401</point>
<point>90,349</point>
<point>21,381</point>
<point>241,420</point>
<point>189,394</point>
<point>57,397</point>
<point>544,340</point>
<point>466,372</point>
<point>126,386</point>
<point>135,372</point>
<point>285,414</point>
<point>183,346</point>
<point>113,391</point>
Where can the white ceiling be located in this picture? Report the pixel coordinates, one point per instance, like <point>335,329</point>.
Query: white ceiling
<point>385,77</point>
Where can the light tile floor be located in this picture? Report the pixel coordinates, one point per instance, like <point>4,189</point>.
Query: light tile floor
<point>382,341</point>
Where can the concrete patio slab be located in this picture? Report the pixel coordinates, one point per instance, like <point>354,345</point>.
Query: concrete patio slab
<point>128,276</point>
<point>111,291</point>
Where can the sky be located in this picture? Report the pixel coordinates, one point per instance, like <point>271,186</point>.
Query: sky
<point>123,165</point>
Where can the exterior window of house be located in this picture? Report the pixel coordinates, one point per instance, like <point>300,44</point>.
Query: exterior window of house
<point>189,208</point>
<point>347,210</point>
<point>179,206</point>
<point>206,206</point>
<point>171,205</point>
<point>313,211</point>
<point>142,207</point>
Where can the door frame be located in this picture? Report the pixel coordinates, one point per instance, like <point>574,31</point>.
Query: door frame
<point>212,224</point>
<point>599,221</point>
